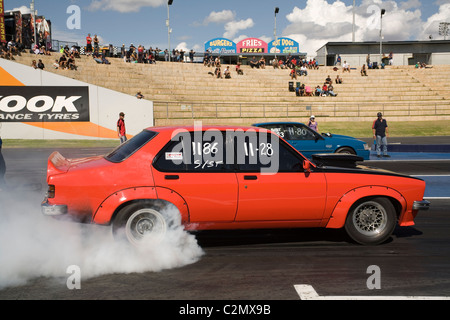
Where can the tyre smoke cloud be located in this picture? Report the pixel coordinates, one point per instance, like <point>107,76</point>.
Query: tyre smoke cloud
<point>33,246</point>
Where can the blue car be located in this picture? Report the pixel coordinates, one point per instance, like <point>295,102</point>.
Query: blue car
<point>310,142</point>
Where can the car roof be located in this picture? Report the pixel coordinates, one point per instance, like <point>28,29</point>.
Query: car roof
<point>276,123</point>
<point>203,128</point>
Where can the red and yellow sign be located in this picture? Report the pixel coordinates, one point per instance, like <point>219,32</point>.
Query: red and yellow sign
<point>2,22</point>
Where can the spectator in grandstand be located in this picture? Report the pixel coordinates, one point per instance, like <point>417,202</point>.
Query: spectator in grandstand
<point>140,53</point>
<point>227,73</point>
<point>67,51</point>
<point>56,64</point>
<point>166,55</point>
<point>139,95</point>
<point>104,60</point>
<point>303,70</point>
<point>363,71</point>
<point>293,74</point>
<point>191,55</point>
<point>346,67</point>
<point>262,63</point>
<point>71,63</point>
<point>380,134</point>
<point>391,59</point>
<point>254,63</point>
<point>218,72</point>
<point>41,65</point>
<point>88,44</point>
<point>328,80</point>
<point>75,52</point>
<point>96,42</point>
<point>318,91</point>
<point>331,91</point>
<point>239,70</point>
<point>338,80</point>
<point>62,61</point>
<point>324,90</point>
<point>4,53</point>
<point>275,64</point>
<point>34,64</point>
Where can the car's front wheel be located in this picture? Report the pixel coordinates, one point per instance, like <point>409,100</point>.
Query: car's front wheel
<point>371,221</point>
<point>345,150</point>
<point>140,222</point>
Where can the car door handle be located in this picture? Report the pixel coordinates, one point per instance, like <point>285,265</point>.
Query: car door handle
<point>250,178</point>
<point>172,177</point>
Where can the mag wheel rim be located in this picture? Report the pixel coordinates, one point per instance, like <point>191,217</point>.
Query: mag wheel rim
<point>145,224</point>
<point>370,218</point>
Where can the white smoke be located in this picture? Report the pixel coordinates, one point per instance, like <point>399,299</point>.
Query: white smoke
<point>32,246</point>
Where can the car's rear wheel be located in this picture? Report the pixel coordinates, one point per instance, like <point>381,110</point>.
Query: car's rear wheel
<point>371,221</point>
<point>139,223</point>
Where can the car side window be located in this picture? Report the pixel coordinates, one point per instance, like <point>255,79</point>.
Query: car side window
<point>266,153</point>
<point>279,129</point>
<point>193,152</point>
<point>297,132</point>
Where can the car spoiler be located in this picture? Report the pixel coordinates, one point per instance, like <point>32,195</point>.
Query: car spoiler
<point>57,164</point>
<point>336,160</point>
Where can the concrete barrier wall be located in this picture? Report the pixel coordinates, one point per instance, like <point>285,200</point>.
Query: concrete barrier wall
<point>36,104</point>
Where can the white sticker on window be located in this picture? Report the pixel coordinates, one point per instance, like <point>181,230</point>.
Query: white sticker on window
<point>174,156</point>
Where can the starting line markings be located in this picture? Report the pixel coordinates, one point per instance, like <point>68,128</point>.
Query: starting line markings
<point>307,292</point>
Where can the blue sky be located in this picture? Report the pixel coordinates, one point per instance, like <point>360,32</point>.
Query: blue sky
<point>310,22</point>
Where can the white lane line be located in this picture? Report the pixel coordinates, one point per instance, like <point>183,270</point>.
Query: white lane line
<point>307,292</point>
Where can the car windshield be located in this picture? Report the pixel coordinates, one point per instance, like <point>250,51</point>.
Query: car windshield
<point>126,149</point>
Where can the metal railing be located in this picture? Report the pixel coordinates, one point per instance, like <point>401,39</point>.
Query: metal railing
<point>223,110</point>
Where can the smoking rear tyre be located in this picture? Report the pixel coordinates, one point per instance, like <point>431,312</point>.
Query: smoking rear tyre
<point>139,223</point>
<point>371,221</point>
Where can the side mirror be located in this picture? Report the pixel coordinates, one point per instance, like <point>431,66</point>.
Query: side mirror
<point>307,166</point>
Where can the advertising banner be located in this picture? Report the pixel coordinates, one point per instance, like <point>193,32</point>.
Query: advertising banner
<point>252,45</point>
<point>284,45</point>
<point>2,22</point>
<point>220,46</point>
<point>44,104</point>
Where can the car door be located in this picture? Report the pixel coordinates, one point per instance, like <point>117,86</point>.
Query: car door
<point>193,166</point>
<point>273,186</point>
<point>306,140</point>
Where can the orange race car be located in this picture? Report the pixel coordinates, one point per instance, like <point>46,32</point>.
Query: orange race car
<point>228,178</point>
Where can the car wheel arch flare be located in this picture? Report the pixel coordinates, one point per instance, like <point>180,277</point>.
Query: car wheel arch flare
<point>111,205</point>
<point>345,203</point>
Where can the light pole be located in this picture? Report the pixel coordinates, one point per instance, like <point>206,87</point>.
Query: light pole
<point>275,31</point>
<point>353,26</point>
<point>383,11</point>
<point>443,29</point>
<point>169,31</point>
<point>33,11</point>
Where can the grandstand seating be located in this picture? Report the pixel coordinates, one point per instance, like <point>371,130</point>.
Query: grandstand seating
<point>185,92</point>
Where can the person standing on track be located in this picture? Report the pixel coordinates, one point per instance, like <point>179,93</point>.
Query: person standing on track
<point>380,134</point>
<point>121,132</point>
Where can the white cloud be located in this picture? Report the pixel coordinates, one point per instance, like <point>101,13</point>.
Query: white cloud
<point>124,5</point>
<point>233,27</point>
<point>223,16</point>
<point>23,10</point>
<point>431,26</point>
<point>321,22</point>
